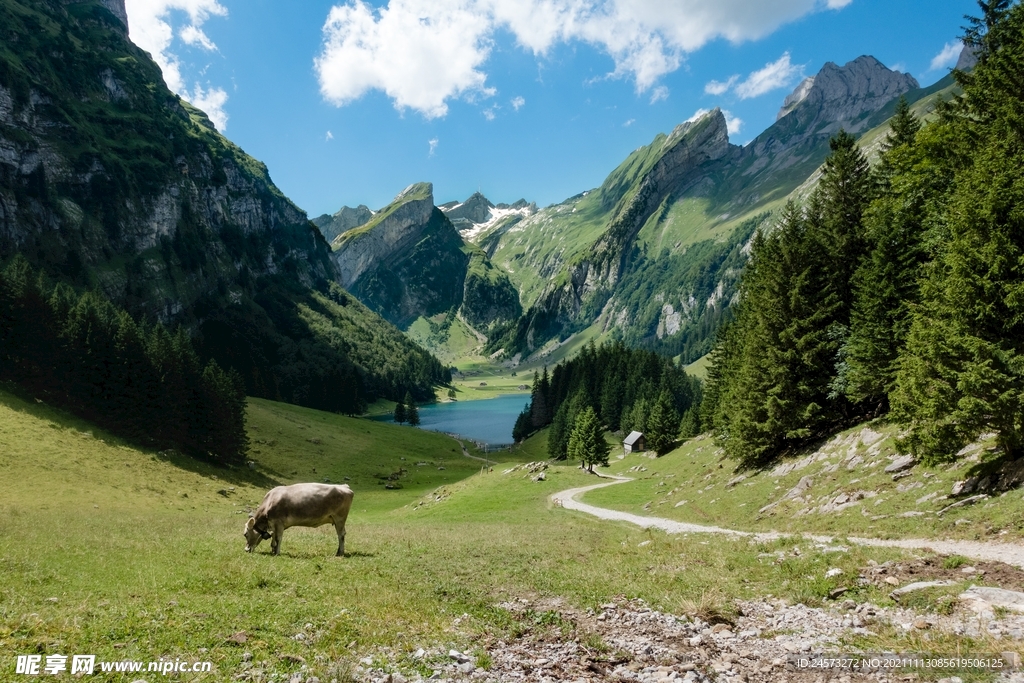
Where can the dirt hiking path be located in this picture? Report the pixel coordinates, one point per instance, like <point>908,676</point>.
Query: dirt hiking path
<point>1009,553</point>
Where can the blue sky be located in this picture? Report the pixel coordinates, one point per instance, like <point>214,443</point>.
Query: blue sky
<point>347,103</point>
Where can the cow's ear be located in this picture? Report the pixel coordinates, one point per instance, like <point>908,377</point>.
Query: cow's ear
<point>250,524</point>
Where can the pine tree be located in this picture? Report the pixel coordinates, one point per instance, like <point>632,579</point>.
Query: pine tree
<point>886,284</point>
<point>400,412</point>
<point>962,370</point>
<point>586,442</point>
<point>662,425</point>
<point>540,411</point>
<point>689,426</point>
<point>412,415</point>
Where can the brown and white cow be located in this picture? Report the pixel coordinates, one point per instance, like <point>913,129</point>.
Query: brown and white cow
<point>310,505</point>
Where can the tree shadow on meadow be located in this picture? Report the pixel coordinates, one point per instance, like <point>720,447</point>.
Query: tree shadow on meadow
<point>13,397</point>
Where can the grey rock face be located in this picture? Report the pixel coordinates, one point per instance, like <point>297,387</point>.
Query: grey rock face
<point>841,94</point>
<point>686,150</point>
<point>796,97</point>
<point>342,220</point>
<point>476,209</point>
<point>399,228</point>
<point>968,59</point>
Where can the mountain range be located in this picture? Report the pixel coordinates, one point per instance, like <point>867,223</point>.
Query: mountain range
<point>110,182</point>
<point>653,255</point>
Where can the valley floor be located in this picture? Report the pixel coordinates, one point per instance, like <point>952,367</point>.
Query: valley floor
<point>455,570</point>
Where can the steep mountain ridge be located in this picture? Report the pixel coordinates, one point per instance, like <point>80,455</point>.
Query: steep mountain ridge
<point>109,181</point>
<point>409,262</point>
<point>345,218</point>
<point>658,247</point>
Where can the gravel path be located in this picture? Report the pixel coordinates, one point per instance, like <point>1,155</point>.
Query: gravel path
<point>1012,554</point>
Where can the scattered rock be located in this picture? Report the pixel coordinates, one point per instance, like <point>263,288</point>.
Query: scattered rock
<point>962,503</point>
<point>918,585</point>
<point>238,638</point>
<point>981,598</point>
<point>904,462</point>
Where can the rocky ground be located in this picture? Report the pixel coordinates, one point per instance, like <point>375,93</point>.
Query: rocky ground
<point>763,640</point>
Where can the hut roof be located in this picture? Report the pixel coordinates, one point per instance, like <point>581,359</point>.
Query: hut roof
<point>632,438</point>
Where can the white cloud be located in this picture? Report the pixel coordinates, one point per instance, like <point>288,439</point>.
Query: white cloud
<point>778,74</point>
<point>947,57</point>
<point>518,102</point>
<point>629,123</point>
<point>211,101</point>
<point>193,35</point>
<point>697,114</point>
<point>329,136</point>
<point>433,146</point>
<point>732,123</point>
<point>719,87</point>
<point>658,94</point>
<point>149,25</point>
<point>489,113</point>
<point>422,53</point>
<point>419,52</point>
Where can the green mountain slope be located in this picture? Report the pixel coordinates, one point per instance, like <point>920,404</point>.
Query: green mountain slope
<point>109,181</point>
<point>653,255</point>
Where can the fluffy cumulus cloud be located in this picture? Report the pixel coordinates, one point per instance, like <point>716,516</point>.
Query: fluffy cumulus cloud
<point>733,124</point>
<point>947,56</point>
<point>518,101</point>
<point>778,74</point>
<point>423,53</point>
<point>721,87</point>
<point>149,24</point>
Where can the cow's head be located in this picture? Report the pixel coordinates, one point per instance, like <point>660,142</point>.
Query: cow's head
<point>253,536</point>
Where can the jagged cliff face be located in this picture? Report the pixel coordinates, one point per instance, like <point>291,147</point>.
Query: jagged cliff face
<point>664,234</point>
<point>109,181</point>
<point>409,262</point>
<point>343,220</point>
<point>106,175</point>
<point>393,230</point>
<point>841,96</point>
<point>677,163</point>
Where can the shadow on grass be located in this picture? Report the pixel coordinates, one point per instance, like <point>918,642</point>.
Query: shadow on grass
<point>18,400</point>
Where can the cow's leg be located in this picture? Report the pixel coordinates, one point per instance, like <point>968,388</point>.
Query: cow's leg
<point>275,542</point>
<point>341,538</point>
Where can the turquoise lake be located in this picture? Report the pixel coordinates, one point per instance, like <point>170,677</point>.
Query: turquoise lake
<point>488,421</point>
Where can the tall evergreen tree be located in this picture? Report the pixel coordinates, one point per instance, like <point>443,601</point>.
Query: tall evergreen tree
<point>962,370</point>
<point>586,442</point>
<point>662,425</point>
<point>886,284</point>
<point>400,416</point>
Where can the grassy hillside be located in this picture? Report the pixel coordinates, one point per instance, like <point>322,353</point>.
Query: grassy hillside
<point>694,483</point>
<point>136,555</point>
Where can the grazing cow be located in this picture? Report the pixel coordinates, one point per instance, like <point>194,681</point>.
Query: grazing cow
<point>310,505</point>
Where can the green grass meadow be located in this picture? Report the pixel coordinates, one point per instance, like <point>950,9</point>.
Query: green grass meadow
<point>128,554</point>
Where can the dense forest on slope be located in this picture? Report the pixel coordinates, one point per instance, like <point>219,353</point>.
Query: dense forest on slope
<point>140,382</point>
<point>627,389</point>
<point>111,183</point>
<point>898,288</point>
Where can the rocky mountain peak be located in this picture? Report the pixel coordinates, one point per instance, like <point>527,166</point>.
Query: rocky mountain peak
<point>392,229</point>
<point>715,118</point>
<point>476,209</point>
<point>968,59</point>
<point>844,93</point>
<point>796,97</point>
